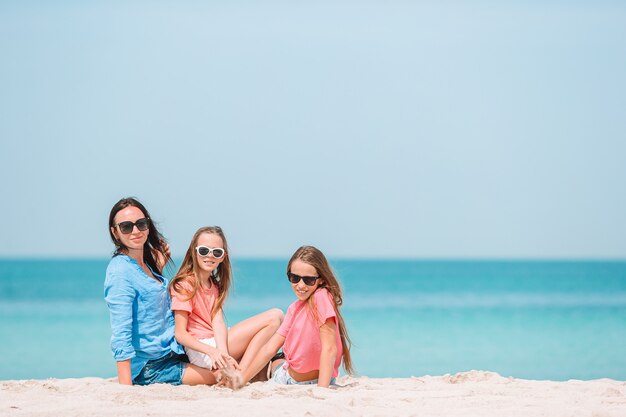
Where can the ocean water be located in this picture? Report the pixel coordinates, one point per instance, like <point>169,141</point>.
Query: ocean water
<point>536,320</point>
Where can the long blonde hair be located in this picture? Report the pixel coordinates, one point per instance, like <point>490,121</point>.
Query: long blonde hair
<point>314,257</point>
<point>190,270</point>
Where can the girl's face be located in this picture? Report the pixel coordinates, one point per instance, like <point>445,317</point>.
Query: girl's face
<point>136,238</point>
<point>302,269</point>
<point>210,262</point>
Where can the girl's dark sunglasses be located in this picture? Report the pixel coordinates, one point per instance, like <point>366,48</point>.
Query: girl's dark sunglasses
<point>205,251</point>
<point>294,279</point>
<point>127,227</point>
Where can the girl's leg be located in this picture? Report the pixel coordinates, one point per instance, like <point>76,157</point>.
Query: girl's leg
<point>274,365</point>
<point>194,375</point>
<point>246,338</point>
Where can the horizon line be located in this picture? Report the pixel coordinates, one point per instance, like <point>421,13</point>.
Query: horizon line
<point>347,258</point>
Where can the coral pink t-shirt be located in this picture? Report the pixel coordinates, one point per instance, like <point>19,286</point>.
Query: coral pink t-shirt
<point>301,331</point>
<point>200,321</point>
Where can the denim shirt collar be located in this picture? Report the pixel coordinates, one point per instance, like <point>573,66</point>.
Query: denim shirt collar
<point>132,261</point>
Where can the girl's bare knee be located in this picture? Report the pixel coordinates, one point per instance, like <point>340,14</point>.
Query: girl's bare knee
<point>276,317</point>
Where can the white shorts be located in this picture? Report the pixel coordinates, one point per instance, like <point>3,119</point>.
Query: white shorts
<point>201,359</point>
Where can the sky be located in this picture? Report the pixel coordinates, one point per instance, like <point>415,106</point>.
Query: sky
<point>371,129</point>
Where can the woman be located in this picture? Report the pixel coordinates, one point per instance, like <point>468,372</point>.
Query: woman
<point>137,295</point>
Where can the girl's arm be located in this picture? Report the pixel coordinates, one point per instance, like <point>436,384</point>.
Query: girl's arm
<point>124,375</point>
<point>328,354</point>
<point>220,332</point>
<point>263,357</point>
<point>184,338</point>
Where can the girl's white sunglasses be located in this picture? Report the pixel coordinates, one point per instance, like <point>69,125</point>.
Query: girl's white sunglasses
<point>206,251</point>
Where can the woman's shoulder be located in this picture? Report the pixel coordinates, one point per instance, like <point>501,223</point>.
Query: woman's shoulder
<point>119,273</point>
<point>118,265</point>
<point>117,260</point>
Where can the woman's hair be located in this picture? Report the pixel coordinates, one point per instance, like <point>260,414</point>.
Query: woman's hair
<point>155,245</point>
<point>314,257</point>
<point>189,271</point>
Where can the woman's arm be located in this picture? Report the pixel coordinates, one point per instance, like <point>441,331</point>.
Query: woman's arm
<point>184,338</point>
<point>124,375</point>
<point>263,357</point>
<point>328,354</point>
<point>119,296</point>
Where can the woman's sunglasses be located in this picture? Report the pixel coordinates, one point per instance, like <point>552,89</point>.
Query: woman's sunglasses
<point>294,279</point>
<point>206,251</point>
<point>127,227</point>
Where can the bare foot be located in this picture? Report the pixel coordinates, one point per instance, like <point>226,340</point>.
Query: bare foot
<point>229,377</point>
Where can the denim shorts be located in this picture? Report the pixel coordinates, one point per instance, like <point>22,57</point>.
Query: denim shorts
<point>281,376</point>
<point>166,370</point>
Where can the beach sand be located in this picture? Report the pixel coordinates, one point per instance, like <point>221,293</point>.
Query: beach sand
<point>474,393</point>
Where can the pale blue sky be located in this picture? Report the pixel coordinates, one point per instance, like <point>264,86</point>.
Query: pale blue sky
<point>443,129</point>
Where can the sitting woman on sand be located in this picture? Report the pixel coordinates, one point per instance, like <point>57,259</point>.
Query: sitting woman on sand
<point>137,295</point>
<point>198,292</point>
<point>313,335</point>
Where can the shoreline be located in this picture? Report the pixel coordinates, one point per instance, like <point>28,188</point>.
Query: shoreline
<point>472,393</point>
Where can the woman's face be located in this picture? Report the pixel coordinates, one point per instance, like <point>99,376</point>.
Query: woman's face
<point>136,238</point>
<point>302,269</point>
<point>209,263</point>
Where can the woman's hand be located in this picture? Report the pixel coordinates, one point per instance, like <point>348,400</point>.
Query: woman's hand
<point>162,258</point>
<point>167,250</point>
<point>123,372</point>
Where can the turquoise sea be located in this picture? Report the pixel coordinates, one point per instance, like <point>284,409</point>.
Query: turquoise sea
<point>529,319</point>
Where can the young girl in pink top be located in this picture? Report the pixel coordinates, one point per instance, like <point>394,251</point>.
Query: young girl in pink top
<point>198,291</point>
<point>313,335</point>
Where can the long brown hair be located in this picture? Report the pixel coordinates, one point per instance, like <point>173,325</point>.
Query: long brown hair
<point>155,245</point>
<point>190,270</point>
<point>314,257</point>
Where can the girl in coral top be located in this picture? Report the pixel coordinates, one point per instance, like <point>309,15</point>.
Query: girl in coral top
<point>198,291</point>
<point>313,335</point>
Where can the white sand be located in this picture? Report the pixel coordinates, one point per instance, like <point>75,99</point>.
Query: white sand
<point>474,393</point>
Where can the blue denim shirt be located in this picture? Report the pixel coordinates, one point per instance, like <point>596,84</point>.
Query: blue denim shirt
<point>142,323</point>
